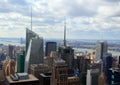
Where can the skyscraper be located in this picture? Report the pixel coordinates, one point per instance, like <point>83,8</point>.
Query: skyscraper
<point>107,64</point>
<point>81,63</point>
<point>66,53</point>
<point>21,62</point>
<point>101,49</point>
<point>60,72</point>
<point>50,46</point>
<point>35,50</point>
<point>11,51</point>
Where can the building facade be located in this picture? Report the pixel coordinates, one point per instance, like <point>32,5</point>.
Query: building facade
<point>11,51</point>
<point>101,49</point>
<point>67,54</point>
<point>50,46</point>
<point>60,72</point>
<point>35,53</point>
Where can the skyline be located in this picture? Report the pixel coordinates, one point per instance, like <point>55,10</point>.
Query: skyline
<point>96,20</point>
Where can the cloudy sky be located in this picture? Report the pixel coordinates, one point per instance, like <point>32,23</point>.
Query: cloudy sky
<point>86,19</point>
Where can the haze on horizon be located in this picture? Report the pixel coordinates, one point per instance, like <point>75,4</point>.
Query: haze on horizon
<point>86,19</point>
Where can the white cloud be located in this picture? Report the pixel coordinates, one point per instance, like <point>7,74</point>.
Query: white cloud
<point>82,16</point>
<point>109,10</point>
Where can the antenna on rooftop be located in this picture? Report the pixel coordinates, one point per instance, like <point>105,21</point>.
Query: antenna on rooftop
<point>65,33</point>
<point>31,17</point>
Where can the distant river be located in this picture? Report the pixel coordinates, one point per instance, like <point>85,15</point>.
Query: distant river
<point>92,50</point>
<point>17,43</point>
<point>11,43</point>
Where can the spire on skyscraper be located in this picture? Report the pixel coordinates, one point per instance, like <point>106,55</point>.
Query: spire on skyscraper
<point>31,17</point>
<point>65,33</point>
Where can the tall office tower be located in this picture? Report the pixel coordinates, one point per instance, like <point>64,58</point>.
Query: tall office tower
<point>101,49</point>
<point>107,64</point>
<point>50,46</point>
<point>34,52</point>
<point>10,51</point>
<point>21,62</point>
<point>60,72</point>
<point>80,63</point>
<point>37,50</point>
<point>66,53</point>
<point>29,35</point>
<point>83,65</point>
